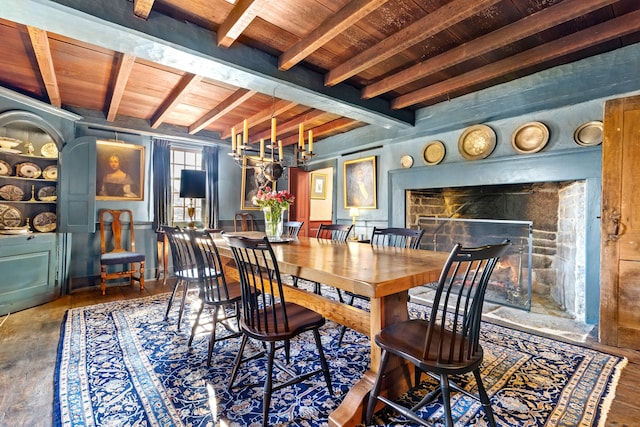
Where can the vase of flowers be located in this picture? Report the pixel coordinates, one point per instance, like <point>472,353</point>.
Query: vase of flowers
<point>273,205</point>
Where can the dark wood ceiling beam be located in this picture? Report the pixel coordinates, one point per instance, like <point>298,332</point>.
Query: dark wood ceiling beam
<point>236,99</point>
<point>328,128</point>
<point>142,8</point>
<point>182,89</point>
<point>331,27</point>
<point>123,71</point>
<point>532,24</point>
<point>435,22</point>
<point>290,125</point>
<point>40,45</point>
<point>187,47</point>
<point>592,36</point>
<point>238,20</point>
<point>278,108</point>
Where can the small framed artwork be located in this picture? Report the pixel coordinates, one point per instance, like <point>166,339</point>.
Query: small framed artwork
<point>360,183</point>
<point>119,171</point>
<point>253,179</point>
<point>319,185</point>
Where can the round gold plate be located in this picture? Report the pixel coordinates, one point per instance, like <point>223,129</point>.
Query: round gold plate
<point>406,161</point>
<point>588,134</point>
<point>530,138</point>
<point>477,142</point>
<point>434,153</point>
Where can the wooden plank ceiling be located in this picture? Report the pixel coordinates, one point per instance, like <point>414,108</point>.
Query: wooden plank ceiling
<point>334,65</point>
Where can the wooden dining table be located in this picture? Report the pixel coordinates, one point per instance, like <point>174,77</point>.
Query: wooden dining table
<point>384,274</point>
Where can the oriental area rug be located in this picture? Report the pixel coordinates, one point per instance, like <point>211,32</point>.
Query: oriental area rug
<point>122,364</point>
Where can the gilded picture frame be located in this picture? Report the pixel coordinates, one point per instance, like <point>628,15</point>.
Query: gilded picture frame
<point>359,177</point>
<point>318,186</point>
<point>253,179</point>
<point>119,171</point>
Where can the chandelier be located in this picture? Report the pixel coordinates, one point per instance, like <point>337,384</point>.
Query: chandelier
<point>273,163</point>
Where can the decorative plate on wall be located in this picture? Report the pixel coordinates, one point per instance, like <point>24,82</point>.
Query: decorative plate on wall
<point>530,138</point>
<point>406,161</point>
<point>477,142</point>
<point>434,153</point>
<point>588,134</point>
<point>11,192</point>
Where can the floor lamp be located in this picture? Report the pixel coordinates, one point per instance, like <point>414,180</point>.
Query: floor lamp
<point>193,185</point>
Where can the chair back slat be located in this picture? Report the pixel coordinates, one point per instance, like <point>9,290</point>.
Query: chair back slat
<point>408,238</point>
<point>263,303</point>
<point>182,253</point>
<point>211,279</point>
<point>292,228</point>
<point>456,312</point>
<point>337,232</point>
<point>117,242</point>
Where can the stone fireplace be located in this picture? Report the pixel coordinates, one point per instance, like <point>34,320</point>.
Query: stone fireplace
<point>544,221</point>
<point>559,192</point>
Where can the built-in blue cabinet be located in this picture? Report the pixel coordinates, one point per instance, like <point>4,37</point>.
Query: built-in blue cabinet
<point>34,257</point>
<point>29,270</point>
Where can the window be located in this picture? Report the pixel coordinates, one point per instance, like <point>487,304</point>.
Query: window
<point>183,159</point>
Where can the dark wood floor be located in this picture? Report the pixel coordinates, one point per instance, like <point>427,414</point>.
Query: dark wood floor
<point>29,341</point>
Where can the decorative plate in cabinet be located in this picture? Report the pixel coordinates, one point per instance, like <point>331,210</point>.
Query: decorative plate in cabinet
<point>28,170</point>
<point>9,216</point>
<point>44,222</point>
<point>50,172</point>
<point>12,193</point>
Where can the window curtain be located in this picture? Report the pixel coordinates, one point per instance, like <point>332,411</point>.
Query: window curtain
<point>210,164</point>
<point>161,183</point>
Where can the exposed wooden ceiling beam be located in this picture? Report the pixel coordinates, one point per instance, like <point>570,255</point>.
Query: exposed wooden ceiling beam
<point>40,44</point>
<point>182,89</point>
<point>441,19</point>
<point>600,33</point>
<point>187,47</point>
<point>237,21</point>
<point>262,116</point>
<point>331,27</point>
<point>123,71</point>
<point>237,98</point>
<point>288,126</point>
<point>142,8</point>
<point>324,129</point>
<point>532,24</point>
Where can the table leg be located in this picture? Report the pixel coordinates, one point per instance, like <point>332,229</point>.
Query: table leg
<point>384,311</point>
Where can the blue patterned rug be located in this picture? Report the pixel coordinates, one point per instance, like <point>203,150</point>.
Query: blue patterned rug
<point>120,364</point>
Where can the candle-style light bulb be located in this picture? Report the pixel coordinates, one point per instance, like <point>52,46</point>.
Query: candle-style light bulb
<point>301,136</point>
<point>310,141</point>
<point>245,132</point>
<point>280,151</point>
<point>233,139</point>
<point>262,148</point>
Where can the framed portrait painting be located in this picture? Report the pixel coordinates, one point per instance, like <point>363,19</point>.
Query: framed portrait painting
<point>360,183</point>
<point>119,171</point>
<point>253,179</point>
<point>318,186</point>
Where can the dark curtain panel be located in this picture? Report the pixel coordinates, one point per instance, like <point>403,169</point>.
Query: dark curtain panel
<point>161,183</point>
<point>210,160</point>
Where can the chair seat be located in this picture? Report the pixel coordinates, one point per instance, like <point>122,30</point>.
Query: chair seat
<point>234,293</point>
<point>112,258</point>
<point>408,338</point>
<point>300,319</point>
<point>192,273</point>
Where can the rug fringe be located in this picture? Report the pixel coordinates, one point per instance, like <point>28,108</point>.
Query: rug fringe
<point>607,401</point>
